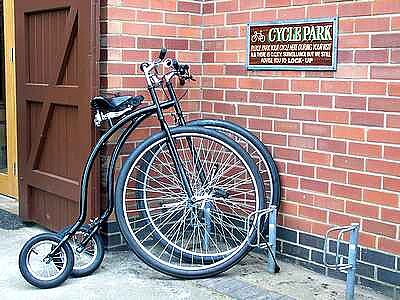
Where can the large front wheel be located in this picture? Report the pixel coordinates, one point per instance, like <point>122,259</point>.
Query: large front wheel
<point>165,227</point>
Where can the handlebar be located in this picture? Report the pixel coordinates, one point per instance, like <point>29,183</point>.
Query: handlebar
<point>181,70</point>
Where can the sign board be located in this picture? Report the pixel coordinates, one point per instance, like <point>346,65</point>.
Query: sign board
<point>309,44</point>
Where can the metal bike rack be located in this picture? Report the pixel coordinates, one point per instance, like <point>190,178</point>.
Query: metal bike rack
<point>350,266</point>
<point>262,216</point>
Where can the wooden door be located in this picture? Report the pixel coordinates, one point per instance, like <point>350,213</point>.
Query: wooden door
<point>56,55</point>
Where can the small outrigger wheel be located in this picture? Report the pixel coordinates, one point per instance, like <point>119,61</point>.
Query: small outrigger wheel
<point>89,258</point>
<point>40,268</point>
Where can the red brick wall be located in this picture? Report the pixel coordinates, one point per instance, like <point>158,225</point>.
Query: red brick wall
<point>334,135</point>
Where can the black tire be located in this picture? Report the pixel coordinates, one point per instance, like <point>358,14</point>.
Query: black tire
<point>95,245</point>
<point>206,270</point>
<point>63,261</point>
<point>262,153</point>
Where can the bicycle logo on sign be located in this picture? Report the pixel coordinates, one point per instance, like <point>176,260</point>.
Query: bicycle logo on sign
<point>258,36</point>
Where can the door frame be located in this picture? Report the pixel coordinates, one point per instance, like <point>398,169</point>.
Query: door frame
<point>9,182</point>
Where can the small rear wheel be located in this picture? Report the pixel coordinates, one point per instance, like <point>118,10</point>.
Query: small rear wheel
<point>42,270</point>
<point>89,259</point>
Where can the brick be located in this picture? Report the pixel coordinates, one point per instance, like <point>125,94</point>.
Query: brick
<point>331,145</point>
<point>333,116</point>
<point>224,32</point>
<point>394,89</point>
<point>363,210</point>
<point>226,6</point>
<point>135,55</point>
<point>381,198</point>
<point>226,57</point>
<point>342,219</point>
<point>114,13</point>
<point>389,245</point>
<point>353,41</point>
<point>245,5</point>
<point>250,83</point>
<point>388,276</point>
<point>386,6</point>
<point>287,154</point>
<point>395,57</point>
<point>316,158</point>
<point>292,13</point>
<point>289,181</point>
<point>355,9</point>
<point>274,112</point>
<point>345,191</point>
<point>163,5</point>
<point>296,223</point>
<point>383,136</point>
<point>304,85</point>
<point>377,258</point>
<point>286,234</point>
<point>261,97</point>
<point>372,24</point>
<point>368,150</point>
<point>224,108</point>
<point>260,124</point>
<point>313,213</point>
<point>171,18</point>
<point>314,185</point>
<point>387,73</point>
<point>330,203</point>
<point>318,101</point>
<point>177,44</point>
<point>331,175</point>
<point>350,102</point>
<point>237,18</point>
<point>274,139</point>
<point>235,44</point>
<point>277,3</point>
<point>163,30</point>
<point>300,170</point>
<point>302,114</point>
<point>346,25</point>
<point>236,70</point>
<point>263,15</point>
<point>225,82</point>
<point>348,162</point>
<point>372,56</point>
<point>208,8</point>
<point>136,3</point>
<point>301,142</point>
<point>384,104</point>
<point>392,153</point>
<point>276,84</point>
<point>149,17</point>
<point>367,119</point>
<point>135,29</point>
<point>288,99</point>
<point>349,133</point>
<point>213,94</point>
<point>383,167</point>
<point>379,228</point>
<point>390,215</point>
<point>300,197</point>
<point>341,87</point>
<point>289,127</point>
<point>365,180</point>
<point>393,121</point>
<point>369,88</point>
<point>387,40</point>
<point>149,43</point>
<point>249,110</point>
<point>317,129</point>
<point>352,72</point>
<point>192,7</point>
<point>319,11</point>
<point>236,96</point>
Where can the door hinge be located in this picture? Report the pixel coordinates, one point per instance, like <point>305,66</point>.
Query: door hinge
<point>14,168</point>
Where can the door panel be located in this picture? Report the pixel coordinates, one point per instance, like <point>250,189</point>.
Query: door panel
<point>56,62</point>
<point>8,128</point>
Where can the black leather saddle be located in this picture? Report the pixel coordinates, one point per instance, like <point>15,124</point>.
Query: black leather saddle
<point>116,103</point>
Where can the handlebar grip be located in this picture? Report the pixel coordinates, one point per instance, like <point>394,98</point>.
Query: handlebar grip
<point>142,65</point>
<point>175,64</point>
<point>163,52</point>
